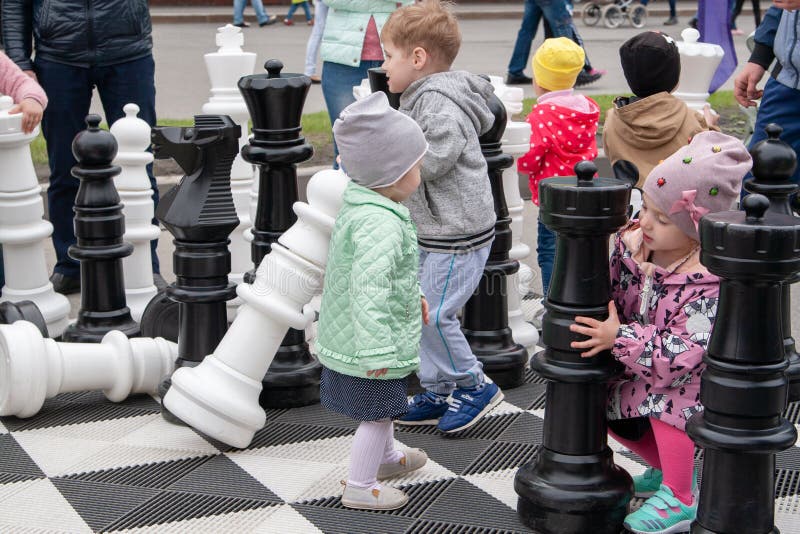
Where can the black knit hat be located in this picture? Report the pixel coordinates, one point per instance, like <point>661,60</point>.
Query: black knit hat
<point>651,63</point>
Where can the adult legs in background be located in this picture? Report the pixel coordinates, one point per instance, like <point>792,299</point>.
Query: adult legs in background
<point>337,87</point>
<point>315,39</point>
<point>522,48</point>
<point>120,84</point>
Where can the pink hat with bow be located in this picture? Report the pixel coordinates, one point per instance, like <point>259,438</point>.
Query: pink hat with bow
<point>703,177</point>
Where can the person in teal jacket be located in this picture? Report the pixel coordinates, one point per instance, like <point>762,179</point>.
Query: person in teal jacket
<point>372,307</point>
<point>351,45</point>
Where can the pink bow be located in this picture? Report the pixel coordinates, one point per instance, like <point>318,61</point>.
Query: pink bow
<point>687,203</point>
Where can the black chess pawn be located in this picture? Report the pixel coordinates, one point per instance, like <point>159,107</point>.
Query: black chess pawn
<point>774,163</point>
<point>485,318</point>
<point>275,101</point>
<point>99,227</point>
<point>378,81</point>
<point>573,485</point>
<point>744,386</point>
<point>200,214</point>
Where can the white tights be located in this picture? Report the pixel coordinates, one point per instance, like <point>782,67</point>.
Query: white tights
<point>373,445</point>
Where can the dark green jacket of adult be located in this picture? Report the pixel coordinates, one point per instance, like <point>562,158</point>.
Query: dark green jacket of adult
<point>82,33</point>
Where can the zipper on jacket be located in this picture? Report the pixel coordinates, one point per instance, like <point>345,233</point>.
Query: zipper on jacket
<point>90,31</point>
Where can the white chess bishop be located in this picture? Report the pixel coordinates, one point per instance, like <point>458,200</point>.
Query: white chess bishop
<point>33,369</point>
<point>133,185</point>
<point>225,67</point>
<point>517,142</point>
<point>22,230</point>
<point>219,397</point>
<point>699,62</point>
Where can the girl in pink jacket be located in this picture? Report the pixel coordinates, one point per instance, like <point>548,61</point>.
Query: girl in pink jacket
<point>29,97</point>
<point>660,319</point>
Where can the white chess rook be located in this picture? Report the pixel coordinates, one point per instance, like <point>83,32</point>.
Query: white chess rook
<point>699,62</point>
<point>133,185</point>
<point>516,141</point>
<point>22,229</point>
<point>225,67</point>
<point>33,368</point>
<point>219,397</point>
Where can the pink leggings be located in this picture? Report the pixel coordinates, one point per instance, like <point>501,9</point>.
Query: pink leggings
<point>670,450</point>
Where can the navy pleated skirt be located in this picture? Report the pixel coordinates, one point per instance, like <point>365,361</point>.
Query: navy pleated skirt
<point>363,399</point>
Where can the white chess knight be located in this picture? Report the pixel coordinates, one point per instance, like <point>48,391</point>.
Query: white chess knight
<point>225,67</point>
<point>33,369</point>
<point>699,62</point>
<point>22,229</point>
<point>219,397</point>
<point>133,185</point>
<point>517,142</point>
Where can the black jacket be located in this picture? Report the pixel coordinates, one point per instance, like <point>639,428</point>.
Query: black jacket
<point>82,33</point>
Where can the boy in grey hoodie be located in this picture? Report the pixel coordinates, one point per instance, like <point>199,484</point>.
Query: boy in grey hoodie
<point>453,208</point>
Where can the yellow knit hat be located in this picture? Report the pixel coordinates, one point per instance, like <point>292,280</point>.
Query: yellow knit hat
<point>556,64</point>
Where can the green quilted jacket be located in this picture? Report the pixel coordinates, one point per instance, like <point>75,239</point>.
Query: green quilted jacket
<point>346,26</point>
<point>371,316</point>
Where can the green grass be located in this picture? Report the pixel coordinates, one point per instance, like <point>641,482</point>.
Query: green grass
<point>317,126</point>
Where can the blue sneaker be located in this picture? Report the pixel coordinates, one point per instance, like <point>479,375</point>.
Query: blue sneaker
<point>424,409</point>
<point>467,406</point>
<point>662,514</point>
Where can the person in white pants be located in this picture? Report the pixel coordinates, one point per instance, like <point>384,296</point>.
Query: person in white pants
<point>314,40</point>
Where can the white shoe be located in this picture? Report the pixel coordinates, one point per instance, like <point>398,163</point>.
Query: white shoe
<point>385,498</point>
<point>412,460</point>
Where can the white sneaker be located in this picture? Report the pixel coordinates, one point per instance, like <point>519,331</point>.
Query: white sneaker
<point>412,460</point>
<point>385,498</point>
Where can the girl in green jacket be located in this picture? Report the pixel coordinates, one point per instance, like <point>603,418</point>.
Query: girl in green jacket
<point>369,324</point>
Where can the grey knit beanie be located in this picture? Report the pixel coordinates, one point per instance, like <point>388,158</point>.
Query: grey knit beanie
<point>378,145</point>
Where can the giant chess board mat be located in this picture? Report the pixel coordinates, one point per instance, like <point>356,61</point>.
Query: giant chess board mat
<point>84,464</point>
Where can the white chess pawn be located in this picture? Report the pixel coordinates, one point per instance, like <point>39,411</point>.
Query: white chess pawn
<point>33,368</point>
<point>517,142</point>
<point>219,397</point>
<point>699,62</point>
<point>363,90</point>
<point>133,185</point>
<point>225,67</point>
<point>22,229</point>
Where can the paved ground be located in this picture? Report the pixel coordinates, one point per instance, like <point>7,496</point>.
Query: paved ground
<point>182,81</point>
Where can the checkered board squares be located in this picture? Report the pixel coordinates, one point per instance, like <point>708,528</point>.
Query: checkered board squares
<point>95,466</point>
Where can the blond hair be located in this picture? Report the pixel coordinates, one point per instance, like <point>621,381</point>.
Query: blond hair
<point>430,25</point>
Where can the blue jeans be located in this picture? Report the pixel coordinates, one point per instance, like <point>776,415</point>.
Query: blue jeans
<point>545,252</point>
<point>557,15</point>
<point>69,90</point>
<point>781,105</point>
<point>293,8</point>
<point>337,87</point>
<point>315,39</point>
<point>672,12</point>
<point>238,11</point>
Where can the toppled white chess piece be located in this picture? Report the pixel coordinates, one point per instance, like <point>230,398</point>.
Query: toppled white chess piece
<point>133,185</point>
<point>225,67</point>
<point>22,229</point>
<point>33,368</point>
<point>219,397</point>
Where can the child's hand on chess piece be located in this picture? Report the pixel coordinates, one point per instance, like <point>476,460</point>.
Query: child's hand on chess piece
<point>425,318</point>
<point>31,113</point>
<point>377,373</point>
<point>601,333</point>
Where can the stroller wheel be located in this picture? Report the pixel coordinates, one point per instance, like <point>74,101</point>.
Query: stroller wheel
<point>638,16</point>
<point>612,16</point>
<point>591,14</point>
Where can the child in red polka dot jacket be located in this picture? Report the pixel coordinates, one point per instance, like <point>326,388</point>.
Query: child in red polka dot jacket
<point>563,129</point>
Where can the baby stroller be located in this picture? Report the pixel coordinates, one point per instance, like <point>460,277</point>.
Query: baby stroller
<point>614,12</point>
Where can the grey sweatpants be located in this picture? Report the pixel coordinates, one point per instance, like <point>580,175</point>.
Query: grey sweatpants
<point>448,281</point>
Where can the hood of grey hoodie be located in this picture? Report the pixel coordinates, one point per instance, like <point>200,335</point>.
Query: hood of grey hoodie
<point>468,91</point>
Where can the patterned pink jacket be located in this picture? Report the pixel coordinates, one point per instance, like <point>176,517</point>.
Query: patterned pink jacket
<point>666,319</point>
<point>17,84</point>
